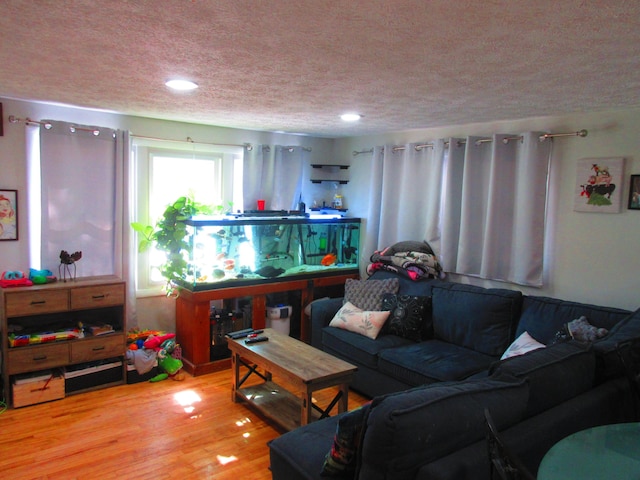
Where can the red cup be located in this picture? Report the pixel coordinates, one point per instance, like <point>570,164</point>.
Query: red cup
<point>260,204</point>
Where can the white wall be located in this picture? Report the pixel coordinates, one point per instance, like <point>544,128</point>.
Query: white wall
<point>590,257</point>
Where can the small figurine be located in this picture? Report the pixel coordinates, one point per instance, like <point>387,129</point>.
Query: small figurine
<point>67,259</point>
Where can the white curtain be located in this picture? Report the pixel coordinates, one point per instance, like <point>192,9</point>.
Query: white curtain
<point>480,203</point>
<point>273,174</point>
<point>411,190</point>
<point>79,200</point>
<point>126,250</point>
<point>78,196</point>
<point>257,174</point>
<point>373,217</point>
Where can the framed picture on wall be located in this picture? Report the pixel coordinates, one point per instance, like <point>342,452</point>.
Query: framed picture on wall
<point>8,214</point>
<point>599,185</point>
<point>634,193</point>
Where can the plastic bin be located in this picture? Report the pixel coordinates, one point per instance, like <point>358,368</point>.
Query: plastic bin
<point>279,318</point>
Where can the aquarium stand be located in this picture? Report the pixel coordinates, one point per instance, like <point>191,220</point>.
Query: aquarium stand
<point>192,314</point>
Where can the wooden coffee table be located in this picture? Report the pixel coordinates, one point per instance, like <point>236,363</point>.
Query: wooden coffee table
<point>303,368</point>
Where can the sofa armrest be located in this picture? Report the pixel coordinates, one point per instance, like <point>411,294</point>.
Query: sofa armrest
<point>322,312</point>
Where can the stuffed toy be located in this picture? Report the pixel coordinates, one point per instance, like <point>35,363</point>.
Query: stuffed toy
<point>154,342</point>
<point>169,363</point>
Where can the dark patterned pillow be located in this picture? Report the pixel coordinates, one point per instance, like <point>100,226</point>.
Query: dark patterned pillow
<point>367,294</point>
<point>409,316</point>
<point>342,458</point>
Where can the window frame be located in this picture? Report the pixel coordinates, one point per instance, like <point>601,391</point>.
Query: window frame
<point>143,153</point>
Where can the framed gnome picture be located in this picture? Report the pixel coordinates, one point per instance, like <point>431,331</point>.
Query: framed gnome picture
<point>8,214</point>
<point>599,185</point>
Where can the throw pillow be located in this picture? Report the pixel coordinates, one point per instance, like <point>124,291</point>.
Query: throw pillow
<point>367,294</point>
<point>521,345</point>
<point>342,459</point>
<point>356,320</point>
<point>408,315</point>
<point>580,330</point>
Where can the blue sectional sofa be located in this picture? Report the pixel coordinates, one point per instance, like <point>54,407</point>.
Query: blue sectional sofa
<point>425,420</point>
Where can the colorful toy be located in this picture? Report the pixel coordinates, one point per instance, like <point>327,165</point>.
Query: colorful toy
<point>14,278</point>
<point>154,342</point>
<point>168,362</point>
<point>41,276</point>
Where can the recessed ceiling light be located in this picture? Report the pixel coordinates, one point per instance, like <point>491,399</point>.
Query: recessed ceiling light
<point>350,117</point>
<point>181,85</point>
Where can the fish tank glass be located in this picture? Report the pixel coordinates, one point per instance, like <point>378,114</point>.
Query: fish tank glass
<point>240,250</point>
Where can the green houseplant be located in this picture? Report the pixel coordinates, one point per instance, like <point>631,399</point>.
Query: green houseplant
<point>170,235</point>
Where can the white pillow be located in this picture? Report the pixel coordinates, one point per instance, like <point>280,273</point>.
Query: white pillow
<point>521,345</point>
<point>367,323</point>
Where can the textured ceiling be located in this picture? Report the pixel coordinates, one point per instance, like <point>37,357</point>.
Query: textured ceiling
<point>294,66</point>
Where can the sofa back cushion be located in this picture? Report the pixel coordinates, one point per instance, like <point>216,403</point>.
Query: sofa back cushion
<point>543,317</point>
<point>408,429</point>
<point>555,373</point>
<point>482,319</point>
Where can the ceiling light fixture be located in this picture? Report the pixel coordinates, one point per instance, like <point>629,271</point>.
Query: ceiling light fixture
<point>350,117</point>
<point>182,85</point>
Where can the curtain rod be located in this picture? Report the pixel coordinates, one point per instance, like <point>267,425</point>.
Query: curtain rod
<point>542,138</point>
<point>47,125</point>
<point>190,140</point>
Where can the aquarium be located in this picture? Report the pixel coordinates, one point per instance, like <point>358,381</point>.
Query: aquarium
<point>235,250</point>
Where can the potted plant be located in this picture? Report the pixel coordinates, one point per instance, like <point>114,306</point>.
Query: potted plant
<point>169,235</point>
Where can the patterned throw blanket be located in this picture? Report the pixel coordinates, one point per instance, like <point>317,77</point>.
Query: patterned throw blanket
<point>415,260</point>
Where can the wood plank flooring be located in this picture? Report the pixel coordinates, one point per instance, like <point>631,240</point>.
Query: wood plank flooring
<point>142,431</point>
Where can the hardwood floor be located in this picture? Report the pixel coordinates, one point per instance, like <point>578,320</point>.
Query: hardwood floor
<point>142,431</point>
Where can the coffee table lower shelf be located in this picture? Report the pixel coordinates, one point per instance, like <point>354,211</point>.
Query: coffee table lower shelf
<point>275,403</point>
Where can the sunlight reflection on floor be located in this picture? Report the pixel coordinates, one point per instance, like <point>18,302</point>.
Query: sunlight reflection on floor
<point>186,399</point>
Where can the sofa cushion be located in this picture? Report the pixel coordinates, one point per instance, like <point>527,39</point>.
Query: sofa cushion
<point>543,317</point>
<point>481,319</point>
<point>300,453</point>
<point>367,294</point>
<point>358,348</point>
<point>322,312</point>
<point>555,373</point>
<point>410,316</point>
<point>355,320</point>
<point>608,362</point>
<point>408,429</point>
<point>432,361</point>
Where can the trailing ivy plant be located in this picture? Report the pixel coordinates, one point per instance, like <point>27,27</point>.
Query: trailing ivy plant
<point>170,235</point>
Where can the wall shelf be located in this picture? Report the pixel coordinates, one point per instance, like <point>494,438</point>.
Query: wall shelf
<point>320,180</point>
<point>328,165</point>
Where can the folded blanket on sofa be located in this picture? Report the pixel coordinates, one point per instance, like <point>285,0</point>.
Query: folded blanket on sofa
<point>415,260</point>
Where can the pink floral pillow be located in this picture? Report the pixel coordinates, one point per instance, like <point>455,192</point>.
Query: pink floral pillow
<point>351,318</point>
<point>521,345</point>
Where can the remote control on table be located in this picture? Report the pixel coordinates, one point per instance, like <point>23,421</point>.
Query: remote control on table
<point>256,339</point>
<point>243,333</point>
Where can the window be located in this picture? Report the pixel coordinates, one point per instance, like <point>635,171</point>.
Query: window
<point>165,171</point>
